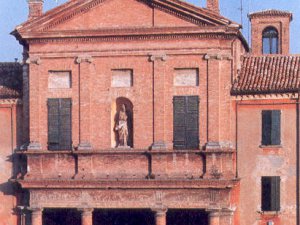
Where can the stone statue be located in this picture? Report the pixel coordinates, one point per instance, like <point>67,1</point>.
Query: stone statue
<point>122,127</point>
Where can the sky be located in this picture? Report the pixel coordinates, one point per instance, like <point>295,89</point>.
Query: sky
<point>14,12</point>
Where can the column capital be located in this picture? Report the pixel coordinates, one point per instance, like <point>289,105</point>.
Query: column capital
<point>86,58</point>
<point>214,212</point>
<point>160,210</point>
<point>85,211</point>
<point>35,210</point>
<point>162,57</point>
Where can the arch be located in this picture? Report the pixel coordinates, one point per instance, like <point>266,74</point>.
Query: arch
<point>270,41</point>
<point>119,124</point>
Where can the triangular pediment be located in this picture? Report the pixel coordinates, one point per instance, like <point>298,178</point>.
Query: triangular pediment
<point>78,15</point>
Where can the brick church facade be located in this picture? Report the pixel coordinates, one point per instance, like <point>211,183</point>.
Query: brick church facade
<point>128,112</point>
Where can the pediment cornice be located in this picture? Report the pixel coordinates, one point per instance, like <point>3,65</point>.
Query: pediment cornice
<point>185,11</point>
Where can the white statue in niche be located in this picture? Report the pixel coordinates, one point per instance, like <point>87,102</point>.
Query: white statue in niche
<point>122,127</point>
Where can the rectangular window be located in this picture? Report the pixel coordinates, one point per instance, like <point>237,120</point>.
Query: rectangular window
<point>186,77</point>
<point>122,78</point>
<point>271,127</point>
<point>59,79</point>
<point>59,124</point>
<point>186,122</point>
<point>270,193</point>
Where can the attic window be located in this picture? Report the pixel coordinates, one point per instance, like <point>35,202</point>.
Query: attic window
<point>270,41</point>
<point>59,79</point>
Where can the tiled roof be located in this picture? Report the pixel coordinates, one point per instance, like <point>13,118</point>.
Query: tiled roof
<point>10,80</point>
<point>271,12</point>
<point>267,75</point>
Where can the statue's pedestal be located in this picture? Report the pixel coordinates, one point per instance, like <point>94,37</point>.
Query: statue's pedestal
<point>124,147</point>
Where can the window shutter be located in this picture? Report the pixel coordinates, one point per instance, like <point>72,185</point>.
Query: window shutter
<point>275,133</point>
<point>53,123</point>
<point>179,122</point>
<point>65,124</point>
<point>59,124</point>
<point>266,194</point>
<point>270,200</point>
<point>266,127</point>
<point>275,194</point>
<point>186,122</point>
<point>192,122</point>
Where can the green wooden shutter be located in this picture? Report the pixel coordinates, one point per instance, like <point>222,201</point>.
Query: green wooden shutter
<point>65,124</point>
<point>186,122</point>
<point>192,122</point>
<point>53,123</point>
<point>270,199</point>
<point>266,127</point>
<point>275,133</point>
<point>179,122</point>
<point>275,193</point>
<point>59,124</point>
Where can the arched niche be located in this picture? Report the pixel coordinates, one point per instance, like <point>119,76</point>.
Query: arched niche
<point>122,119</point>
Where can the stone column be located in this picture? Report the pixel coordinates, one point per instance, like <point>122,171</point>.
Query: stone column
<point>86,216</point>
<point>214,218</point>
<point>36,216</point>
<point>159,65</point>
<point>160,216</point>
<point>84,64</point>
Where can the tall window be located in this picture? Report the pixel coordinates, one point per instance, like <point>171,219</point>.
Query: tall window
<point>59,124</point>
<point>270,193</point>
<point>270,41</point>
<point>271,127</point>
<point>186,122</point>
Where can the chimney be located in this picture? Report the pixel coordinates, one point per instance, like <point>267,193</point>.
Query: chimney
<point>213,5</point>
<point>35,8</point>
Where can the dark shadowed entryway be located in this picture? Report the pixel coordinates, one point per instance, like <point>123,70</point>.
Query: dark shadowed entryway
<point>123,217</point>
<point>61,217</point>
<point>187,217</point>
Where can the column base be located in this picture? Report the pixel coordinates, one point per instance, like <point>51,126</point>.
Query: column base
<point>159,145</point>
<point>85,146</point>
<point>34,146</point>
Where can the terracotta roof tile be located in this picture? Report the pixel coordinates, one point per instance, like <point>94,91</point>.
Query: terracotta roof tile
<point>10,80</point>
<point>267,75</point>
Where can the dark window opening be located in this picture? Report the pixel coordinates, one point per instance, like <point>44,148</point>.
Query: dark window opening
<point>59,124</point>
<point>270,41</point>
<point>186,122</point>
<point>270,193</point>
<point>271,127</point>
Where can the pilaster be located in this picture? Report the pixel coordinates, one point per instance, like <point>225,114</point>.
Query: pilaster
<point>84,67</point>
<point>159,66</point>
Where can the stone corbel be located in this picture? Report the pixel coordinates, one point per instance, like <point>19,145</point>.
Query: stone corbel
<point>34,60</point>
<point>162,57</point>
<point>81,59</point>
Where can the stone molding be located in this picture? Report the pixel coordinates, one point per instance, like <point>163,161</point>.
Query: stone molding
<point>217,57</point>
<point>14,101</point>
<point>132,37</point>
<point>81,59</point>
<point>132,184</point>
